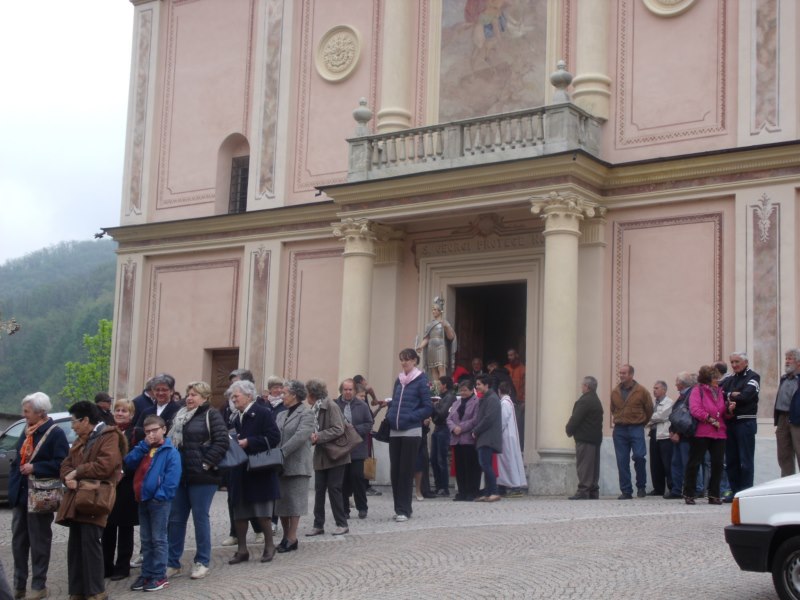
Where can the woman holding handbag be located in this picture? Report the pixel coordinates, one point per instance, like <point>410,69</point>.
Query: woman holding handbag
<point>39,455</point>
<point>328,472</point>
<point>199,433</point>
<point>296,424</point>
<point>90,473</point>
<point>254,492</point>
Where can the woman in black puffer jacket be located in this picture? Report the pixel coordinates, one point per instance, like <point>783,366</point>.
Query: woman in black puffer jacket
<point>199,433</point>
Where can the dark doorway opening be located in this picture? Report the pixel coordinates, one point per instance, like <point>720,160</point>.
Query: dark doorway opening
<point>490,319</point>
<point>223,361</point>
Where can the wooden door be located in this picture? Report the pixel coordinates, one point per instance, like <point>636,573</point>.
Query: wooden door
<point>222,363</point>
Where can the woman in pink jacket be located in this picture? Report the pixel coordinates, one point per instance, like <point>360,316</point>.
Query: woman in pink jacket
<point>707,406</point>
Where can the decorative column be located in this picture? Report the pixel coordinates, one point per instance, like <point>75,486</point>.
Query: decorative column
<point>359,261</point>
<point>559,376</point>
<point>591,88</point>
<point>396,66</point>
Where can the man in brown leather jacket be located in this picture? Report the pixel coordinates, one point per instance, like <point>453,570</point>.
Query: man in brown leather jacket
<point>631,408</point>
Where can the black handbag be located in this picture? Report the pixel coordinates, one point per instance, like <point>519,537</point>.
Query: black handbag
<point>269,459</point>
<point>382,435</point>
<point>234,455</point>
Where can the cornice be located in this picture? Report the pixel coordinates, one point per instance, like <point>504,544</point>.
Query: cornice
<point>284,222</point>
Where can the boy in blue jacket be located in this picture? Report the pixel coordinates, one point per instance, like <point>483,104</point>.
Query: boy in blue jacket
<point>157,464</point>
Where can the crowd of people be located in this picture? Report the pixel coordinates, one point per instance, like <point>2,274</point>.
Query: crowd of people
<point>700,444</point>
<point>154,460</point>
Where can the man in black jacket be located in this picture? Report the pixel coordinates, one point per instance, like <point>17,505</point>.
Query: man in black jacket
<point>586,426</point>
<point>741,391</point>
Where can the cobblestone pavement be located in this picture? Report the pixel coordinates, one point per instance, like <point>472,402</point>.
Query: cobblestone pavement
<point>516,548</point>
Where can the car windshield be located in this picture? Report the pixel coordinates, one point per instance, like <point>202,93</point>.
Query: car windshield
<point>9,440</point>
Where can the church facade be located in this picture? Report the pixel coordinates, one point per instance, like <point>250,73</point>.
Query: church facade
<point>591,183</point>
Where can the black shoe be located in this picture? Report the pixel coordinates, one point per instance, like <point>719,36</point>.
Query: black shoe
<point>283,544</point>
<point>458,498</point>
<point>578,497</point>
<point>288,547</point>
<point>120,575</point>
<point>641,493</point>
<point>624,496</point>
<point>689,500</point>
<point>314,532</point>
<point>655,493</point>
<point>362,514</point>
<point>429,496</point>
<point>671,496</point>
<point>443,493</point>
<point>138,585</point>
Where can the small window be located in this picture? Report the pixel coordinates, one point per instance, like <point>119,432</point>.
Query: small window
<point>240,168</point>
<point>9,440</point>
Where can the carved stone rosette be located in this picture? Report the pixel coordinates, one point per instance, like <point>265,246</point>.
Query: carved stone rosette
<point>359,236</point>
<point>338,53</point>
<point>668,8</point>
<point>564,213</point>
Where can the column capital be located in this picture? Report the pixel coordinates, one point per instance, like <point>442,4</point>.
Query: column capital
<point>563,213</point>
<point>359,236</point>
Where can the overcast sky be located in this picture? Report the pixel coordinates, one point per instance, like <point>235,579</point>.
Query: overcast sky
<point>64,71</point>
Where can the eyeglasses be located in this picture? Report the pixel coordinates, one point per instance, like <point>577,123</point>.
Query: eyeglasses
<point>153,430</point>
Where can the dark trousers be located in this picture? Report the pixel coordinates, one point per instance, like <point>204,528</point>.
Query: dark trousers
<point>84,555</point>
<point>329,480</point>
<point>402,461</point>
<point>355,485</point>
<point>468,471</point>
<point>660,464</point>
<point>485,454</point>
<point>587,463</point>
<point>698,446</point>
<point>31,533</point>
<point>117,538</point>
<point>440,446</point>
<point>740,453</point>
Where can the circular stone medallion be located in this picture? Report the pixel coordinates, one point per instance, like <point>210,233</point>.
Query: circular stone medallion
<point>338,53</point>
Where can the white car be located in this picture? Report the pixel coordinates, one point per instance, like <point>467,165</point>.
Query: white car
<point>765,532</point>
<point>8,445</point>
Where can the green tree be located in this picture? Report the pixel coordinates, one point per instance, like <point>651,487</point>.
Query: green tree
<point>9,327</point>
<point>84,380</point>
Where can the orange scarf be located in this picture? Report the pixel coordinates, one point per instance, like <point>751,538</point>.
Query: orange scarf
<point>27,446</point>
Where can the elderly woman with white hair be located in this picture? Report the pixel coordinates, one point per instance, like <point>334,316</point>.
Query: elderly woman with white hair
<point>254,492</point>
<point>39,454</point>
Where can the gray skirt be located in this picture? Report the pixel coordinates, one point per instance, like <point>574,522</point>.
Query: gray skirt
<point>252,510</point>
<point>294,496</point>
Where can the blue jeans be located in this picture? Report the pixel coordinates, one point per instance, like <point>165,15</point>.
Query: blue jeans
<point>630,439</point>
<point>440,446</point>
<point>740,453</point>
<point>197,499</point>
<point>680,458</point>
<point>153,519</point>
<point>485,454</point>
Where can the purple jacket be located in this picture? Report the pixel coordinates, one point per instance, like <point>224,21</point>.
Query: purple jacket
<point>467,423</point>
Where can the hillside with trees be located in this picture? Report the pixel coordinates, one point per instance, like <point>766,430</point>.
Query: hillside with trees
<point>57,295</point>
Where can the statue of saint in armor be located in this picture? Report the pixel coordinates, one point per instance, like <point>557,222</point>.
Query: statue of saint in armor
<point>438,347</point>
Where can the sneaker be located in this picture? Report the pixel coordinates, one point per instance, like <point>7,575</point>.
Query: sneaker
<point>154,586</point>
<point>400,518</point>
<point>38,594</point>
<point>260,538</point>
<point>174,572</point>
<point>641,493</point>
<point>229,541</point>
<point>442,493</point>
<point>137,562</point>
<point>371,491</point>
<point>138,585</point>
<point>199,570</point>
<point>624,496</point>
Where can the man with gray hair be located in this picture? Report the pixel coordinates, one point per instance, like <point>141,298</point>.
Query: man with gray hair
<point>741,391</point>
<point>787,415</point>
<point>660,445</point>
<point>586,426</point>
<point>684,382</point>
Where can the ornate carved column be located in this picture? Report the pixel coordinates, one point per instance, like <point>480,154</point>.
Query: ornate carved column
<point>559,380</point>
<point>592,85</point>
<point>359,261</point>
<point>396,66</point>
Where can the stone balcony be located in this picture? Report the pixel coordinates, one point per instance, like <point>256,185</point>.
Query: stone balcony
<point>530,133</point>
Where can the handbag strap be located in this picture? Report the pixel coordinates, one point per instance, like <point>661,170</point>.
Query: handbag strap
<point>41,441</point>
